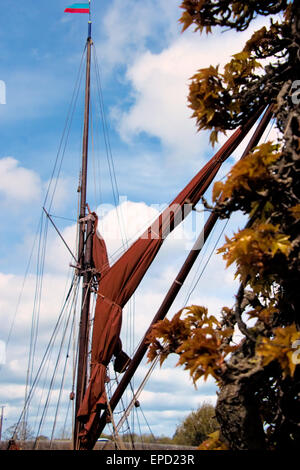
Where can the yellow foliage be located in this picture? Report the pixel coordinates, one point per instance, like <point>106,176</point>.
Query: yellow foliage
<point>251,247</point>
<point>295,210</point>
<point>171,332</point>
<point>264,314</point>
<point>213,443</point>
<point>217,190</point>
<point>186,19</point>
<point>280,348</point>
<point>209,88</point>
<point>205,90</point>
<point>197,338</point>
<point>238,70</point>
<point>248,174</point>
<point>255,39</point>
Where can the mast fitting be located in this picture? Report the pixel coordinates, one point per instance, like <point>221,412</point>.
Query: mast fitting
<point>87,218</point>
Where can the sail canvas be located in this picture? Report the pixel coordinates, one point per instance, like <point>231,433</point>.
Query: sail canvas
<point>119,282</point>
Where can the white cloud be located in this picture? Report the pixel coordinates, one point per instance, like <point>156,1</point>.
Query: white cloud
<point>58,257</point>
<point>160,83</point>
<point>160,80</point>
<point>18,184</point>
<point>60,190</point>
<point>129,27</point>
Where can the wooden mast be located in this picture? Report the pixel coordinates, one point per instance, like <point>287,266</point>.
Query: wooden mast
<point>84,251</point>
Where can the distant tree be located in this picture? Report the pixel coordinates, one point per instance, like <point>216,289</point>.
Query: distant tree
<point>144,438</point>
<point>197,426</point>
<point>164,440</point>
<point>19,432</point>
<point>259,378</point>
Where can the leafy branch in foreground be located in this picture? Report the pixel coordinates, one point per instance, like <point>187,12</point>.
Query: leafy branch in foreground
<point>259,378</point>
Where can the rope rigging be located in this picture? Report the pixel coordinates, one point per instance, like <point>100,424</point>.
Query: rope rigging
<point>46,354</point>
<point>66,322</point>
<point>194,282</point>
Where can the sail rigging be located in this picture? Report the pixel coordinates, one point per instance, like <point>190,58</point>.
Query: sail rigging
<point>117,283</point>
<point>120,281</point>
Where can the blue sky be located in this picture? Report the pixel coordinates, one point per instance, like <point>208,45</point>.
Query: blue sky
<point>145,65</point>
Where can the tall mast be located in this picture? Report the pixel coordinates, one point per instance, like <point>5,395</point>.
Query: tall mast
<point>84,249</point>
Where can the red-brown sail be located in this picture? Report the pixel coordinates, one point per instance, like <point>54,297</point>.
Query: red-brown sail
<point>119,282</point>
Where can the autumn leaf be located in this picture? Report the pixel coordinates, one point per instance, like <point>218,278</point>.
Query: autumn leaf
<point>213,442</point>
<point>186,19</point>
<point>252,173</point>
<point>217,190</point>
<point>196,337</point>
<point>279,348</point>
<point>250,248</point>
<point>295,211</point>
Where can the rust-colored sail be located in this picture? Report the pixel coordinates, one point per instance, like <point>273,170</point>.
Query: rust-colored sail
<point>119,282</point>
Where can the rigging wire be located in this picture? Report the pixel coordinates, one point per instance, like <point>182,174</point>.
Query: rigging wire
<point>66,420</point>
<point>65,135</point>
<point>36,305</point>
<point>55,175</point>
<point>222,231</point>
<point>49,197</point>
<point>45,356</point>
<point>45,371</point>
<point>130,428</point>
<point>135,395</point>
<point>139,426</point>
<point>147,424</point>
<point>41,236</point>
<point>206,263</point>
<point>107,144</point>
<point>43,232</point>
<point>197,276</point>
<point>53,216</point>
<point>67,320</point>
<point>115,189</point>
<point>65,366</point>
<point>130,323</point>
<point>22,289</point>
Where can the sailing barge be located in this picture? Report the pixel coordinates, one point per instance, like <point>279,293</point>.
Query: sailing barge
<point>115,284</point>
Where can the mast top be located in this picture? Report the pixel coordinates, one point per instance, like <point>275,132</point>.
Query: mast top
<point>90,22</point>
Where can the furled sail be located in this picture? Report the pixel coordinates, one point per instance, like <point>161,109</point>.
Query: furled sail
<point>119,282</point>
